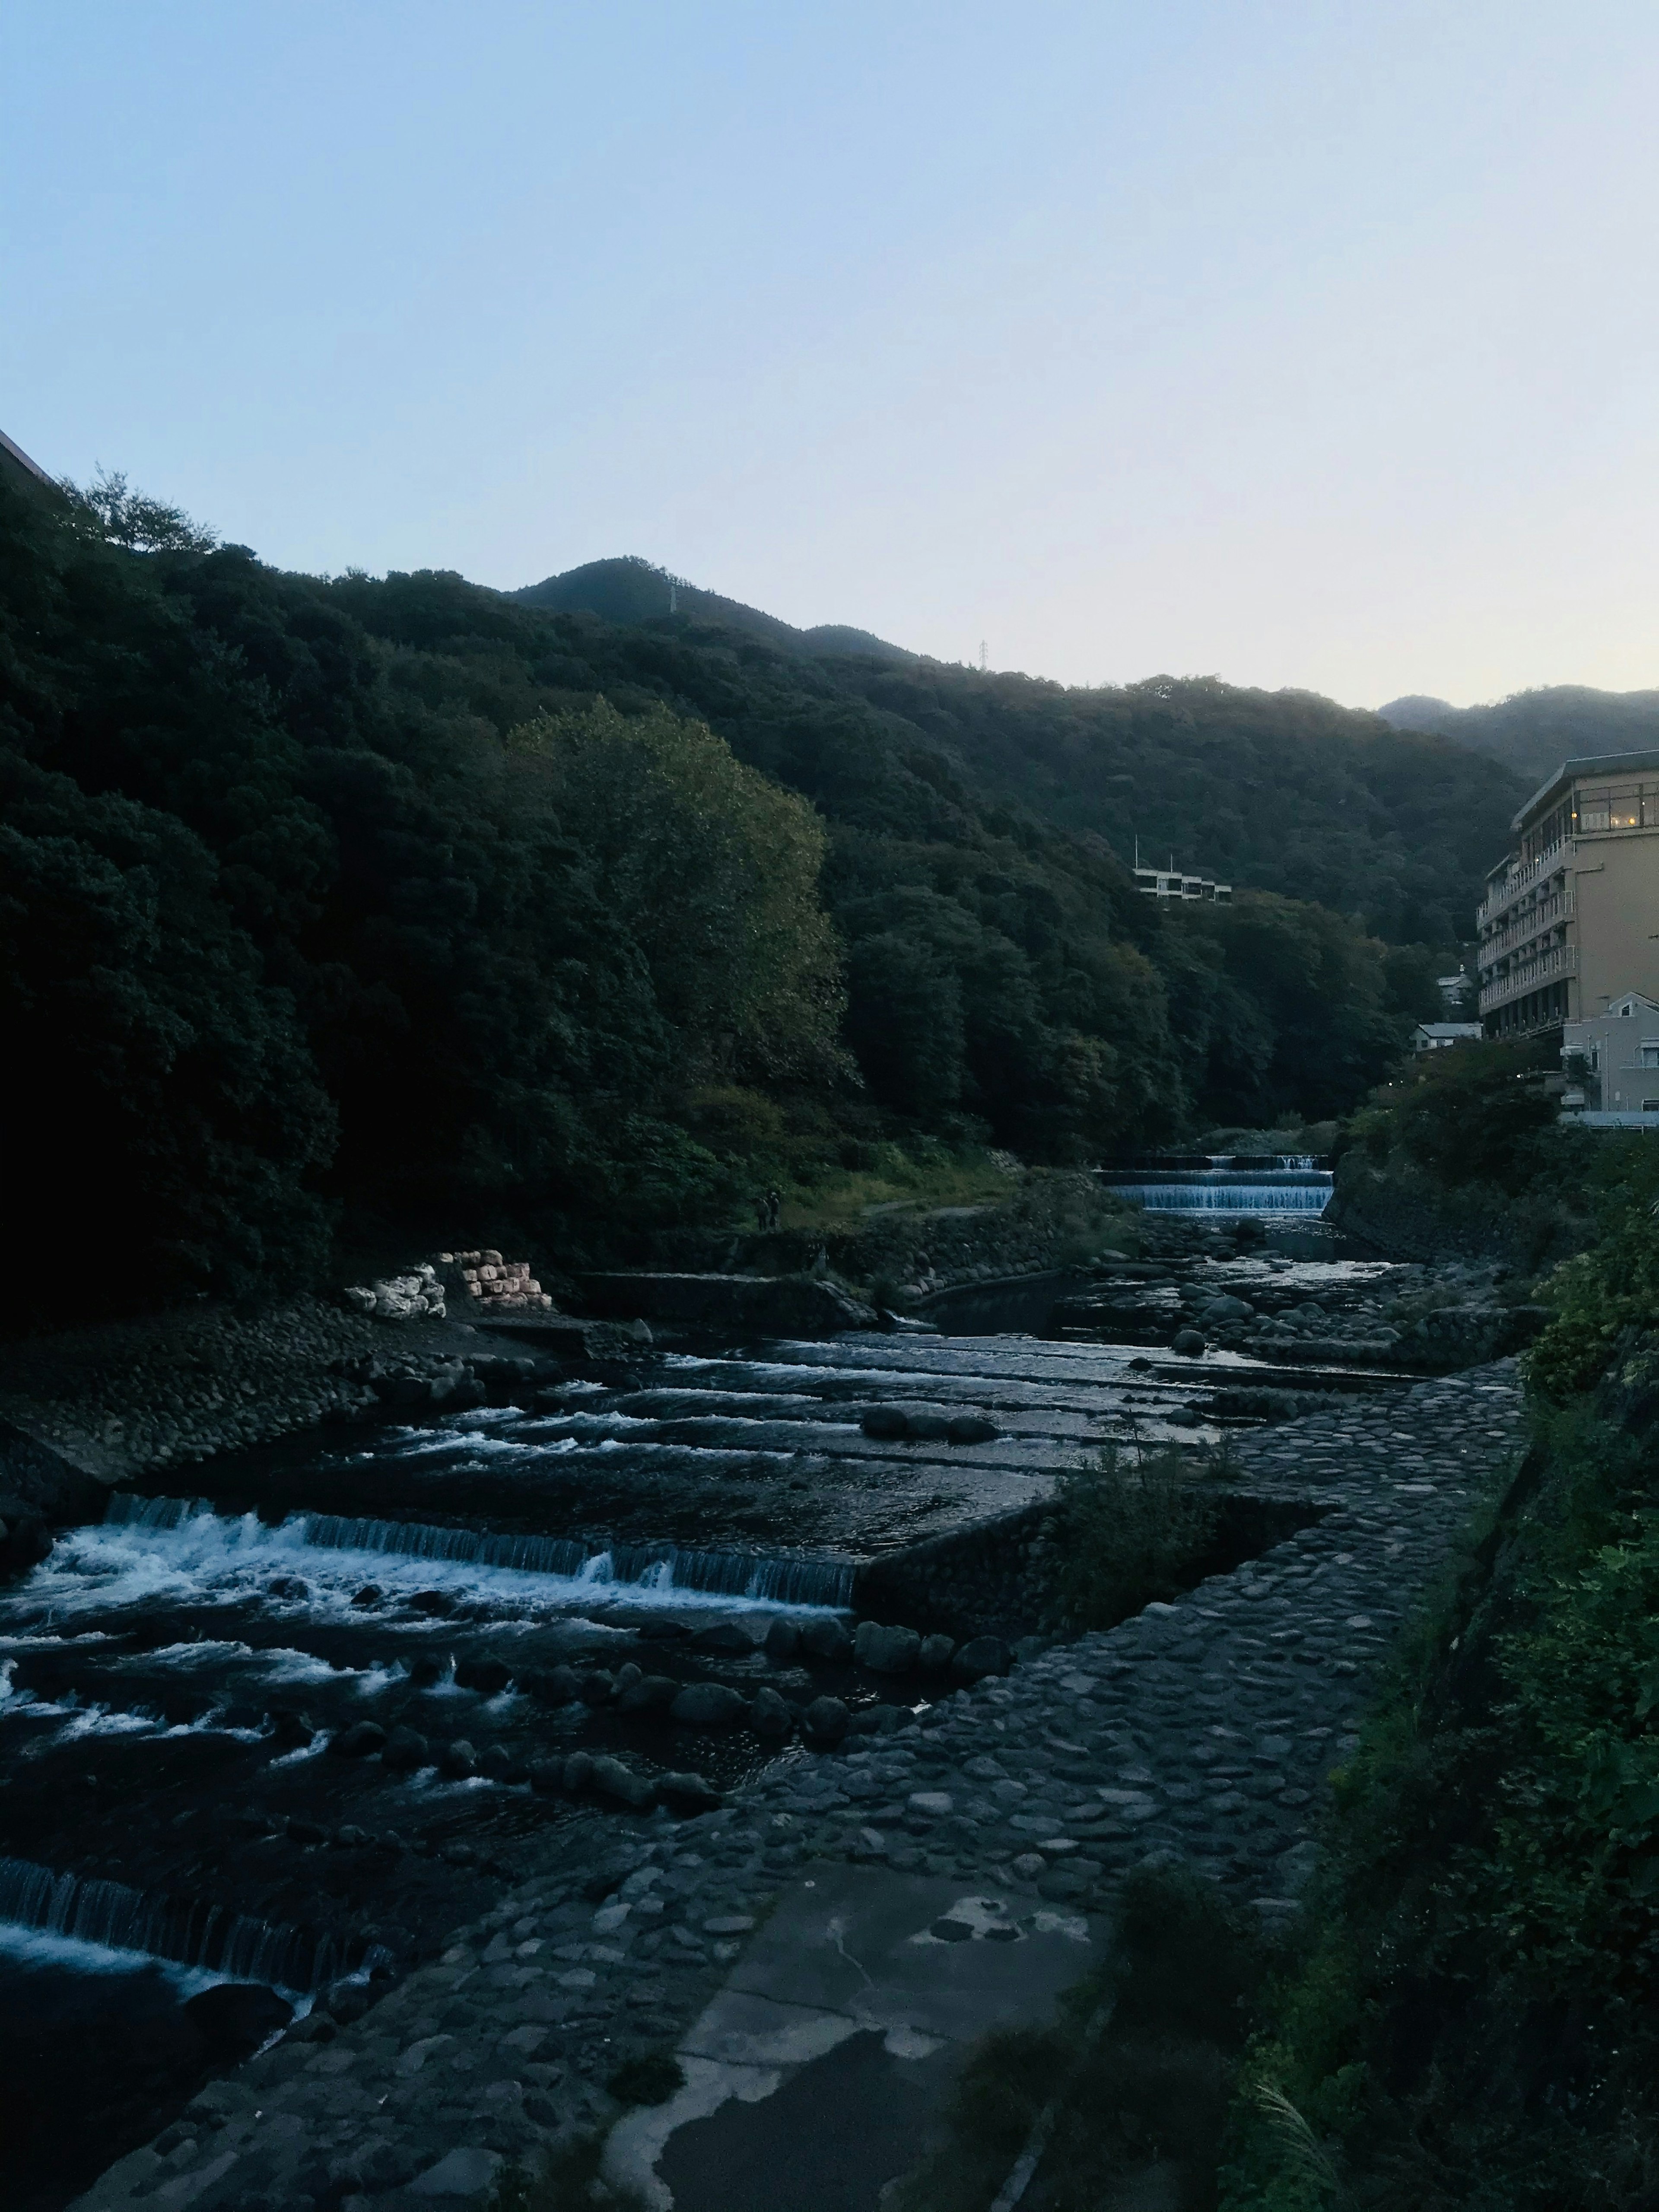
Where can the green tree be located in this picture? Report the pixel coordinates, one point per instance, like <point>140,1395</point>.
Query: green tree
<point>711,869</point>
<point>109,510</point>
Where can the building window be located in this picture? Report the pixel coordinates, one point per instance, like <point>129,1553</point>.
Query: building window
<point>1651,1056</point>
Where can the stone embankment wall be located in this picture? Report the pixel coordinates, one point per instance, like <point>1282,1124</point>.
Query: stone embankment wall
<point>128,1396</point>
<point>995,1578</point>
<point>1400,1215</point>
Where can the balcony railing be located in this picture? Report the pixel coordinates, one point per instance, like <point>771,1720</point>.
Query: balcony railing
<point>1520,879</point>
<point>1530,975</point>
<point>1548,913</point>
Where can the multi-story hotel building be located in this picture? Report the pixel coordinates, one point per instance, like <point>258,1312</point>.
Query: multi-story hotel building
<point>1571,919</point>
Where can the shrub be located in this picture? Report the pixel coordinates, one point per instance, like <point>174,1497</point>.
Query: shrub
<point>1130,1531</point>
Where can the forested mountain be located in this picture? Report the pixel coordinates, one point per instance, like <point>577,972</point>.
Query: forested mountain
<point>1278,791</point>
<point>630,590</point>
<point>409,906</point>
<point>1534,731</point>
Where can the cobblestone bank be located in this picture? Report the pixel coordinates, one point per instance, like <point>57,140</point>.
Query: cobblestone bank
<point>1204,1727</point>
<point>126,1396</point>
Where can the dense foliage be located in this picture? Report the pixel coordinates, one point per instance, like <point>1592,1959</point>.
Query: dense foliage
<point>402,906</point>
<point>1278,791</point>
<point>1472,2024</point>
<point>1534,731</point>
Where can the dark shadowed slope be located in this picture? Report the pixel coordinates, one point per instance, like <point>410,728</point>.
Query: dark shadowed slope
<point>1532,731</point>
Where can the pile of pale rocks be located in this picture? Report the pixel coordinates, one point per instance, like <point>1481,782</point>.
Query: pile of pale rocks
<point>507,1286</point>
<point>417,1297</point>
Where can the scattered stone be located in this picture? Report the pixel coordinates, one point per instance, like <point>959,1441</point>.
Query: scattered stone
<point>770,1716</point>
<point>708,1706</point>
<point>458,1761</point>
<point>824,1637</point>
<point>688,1793</point>
<point>724,1636</point>
<point>649,1693</point>
<point>979,1656</point>
<point>971,1429</point>
<point>613,1780</point>
<point>885,1651</point>
<point>825,1720</point>
<point>361,1741</point>
<point>782,1640</point>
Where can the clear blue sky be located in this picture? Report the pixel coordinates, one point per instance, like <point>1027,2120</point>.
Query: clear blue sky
<point>1296,343</point>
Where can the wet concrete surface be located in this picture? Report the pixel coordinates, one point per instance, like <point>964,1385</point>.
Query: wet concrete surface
<point>819,2069</point>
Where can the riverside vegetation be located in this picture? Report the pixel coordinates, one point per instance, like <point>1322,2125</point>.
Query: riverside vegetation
<point>1462,2013</point>
<point>345,915</point>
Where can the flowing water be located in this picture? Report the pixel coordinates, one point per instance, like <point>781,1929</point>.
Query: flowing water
<point>1269,1186</point>
<point>174,1679</point>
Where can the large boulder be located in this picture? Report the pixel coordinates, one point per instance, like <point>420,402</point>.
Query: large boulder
<point>490,1677</point>
<point>459,1762</point>
<point>972,1429</point>
<point>553,1686</point>
<point>361,1741</point>
<point>235,2018</point>
<point>770,1716</point>
<point>726,1636</point>
<point>887,1424</point>
<point>934,1655</point>
<point>825,1637</point>
<point>406,1750</point>
<point>825,1720</point>
<point>979,1656</point>
<point>708,1706</point>
<point>886,1650</point>
<point>688,1793</point>
<point>782,1640</point>
<point>611,1779</point>
<point>651,1693</point>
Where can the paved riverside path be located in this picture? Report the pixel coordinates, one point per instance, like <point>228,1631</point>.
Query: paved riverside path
<point>821,1950</point>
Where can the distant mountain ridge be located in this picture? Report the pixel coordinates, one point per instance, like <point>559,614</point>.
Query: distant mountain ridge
<point>629,589</point>
<point>1534,731</point>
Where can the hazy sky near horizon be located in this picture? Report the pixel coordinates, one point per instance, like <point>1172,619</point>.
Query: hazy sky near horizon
<point>1290,341</point>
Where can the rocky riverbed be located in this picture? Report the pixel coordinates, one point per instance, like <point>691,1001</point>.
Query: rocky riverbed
<point>1204,1727</point>
<point>508,1613</point>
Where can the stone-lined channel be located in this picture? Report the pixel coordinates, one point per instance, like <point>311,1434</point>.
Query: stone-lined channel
<point>178,1677</point>
<point>1203,1728</point>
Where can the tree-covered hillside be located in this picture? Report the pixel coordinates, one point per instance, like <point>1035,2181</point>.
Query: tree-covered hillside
<point>1534,731</point>
<point>382,908</point>
<point>1278,791</point>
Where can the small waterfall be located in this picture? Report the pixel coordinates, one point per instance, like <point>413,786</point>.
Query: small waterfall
<point>1195,1182</point>
<point>661,1568</point>
<point>188,1931</point>
<point>1249,1195</point>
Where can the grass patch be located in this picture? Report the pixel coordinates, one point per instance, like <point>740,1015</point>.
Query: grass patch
<point>1130,1530</point>
<point>894,1179</point>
